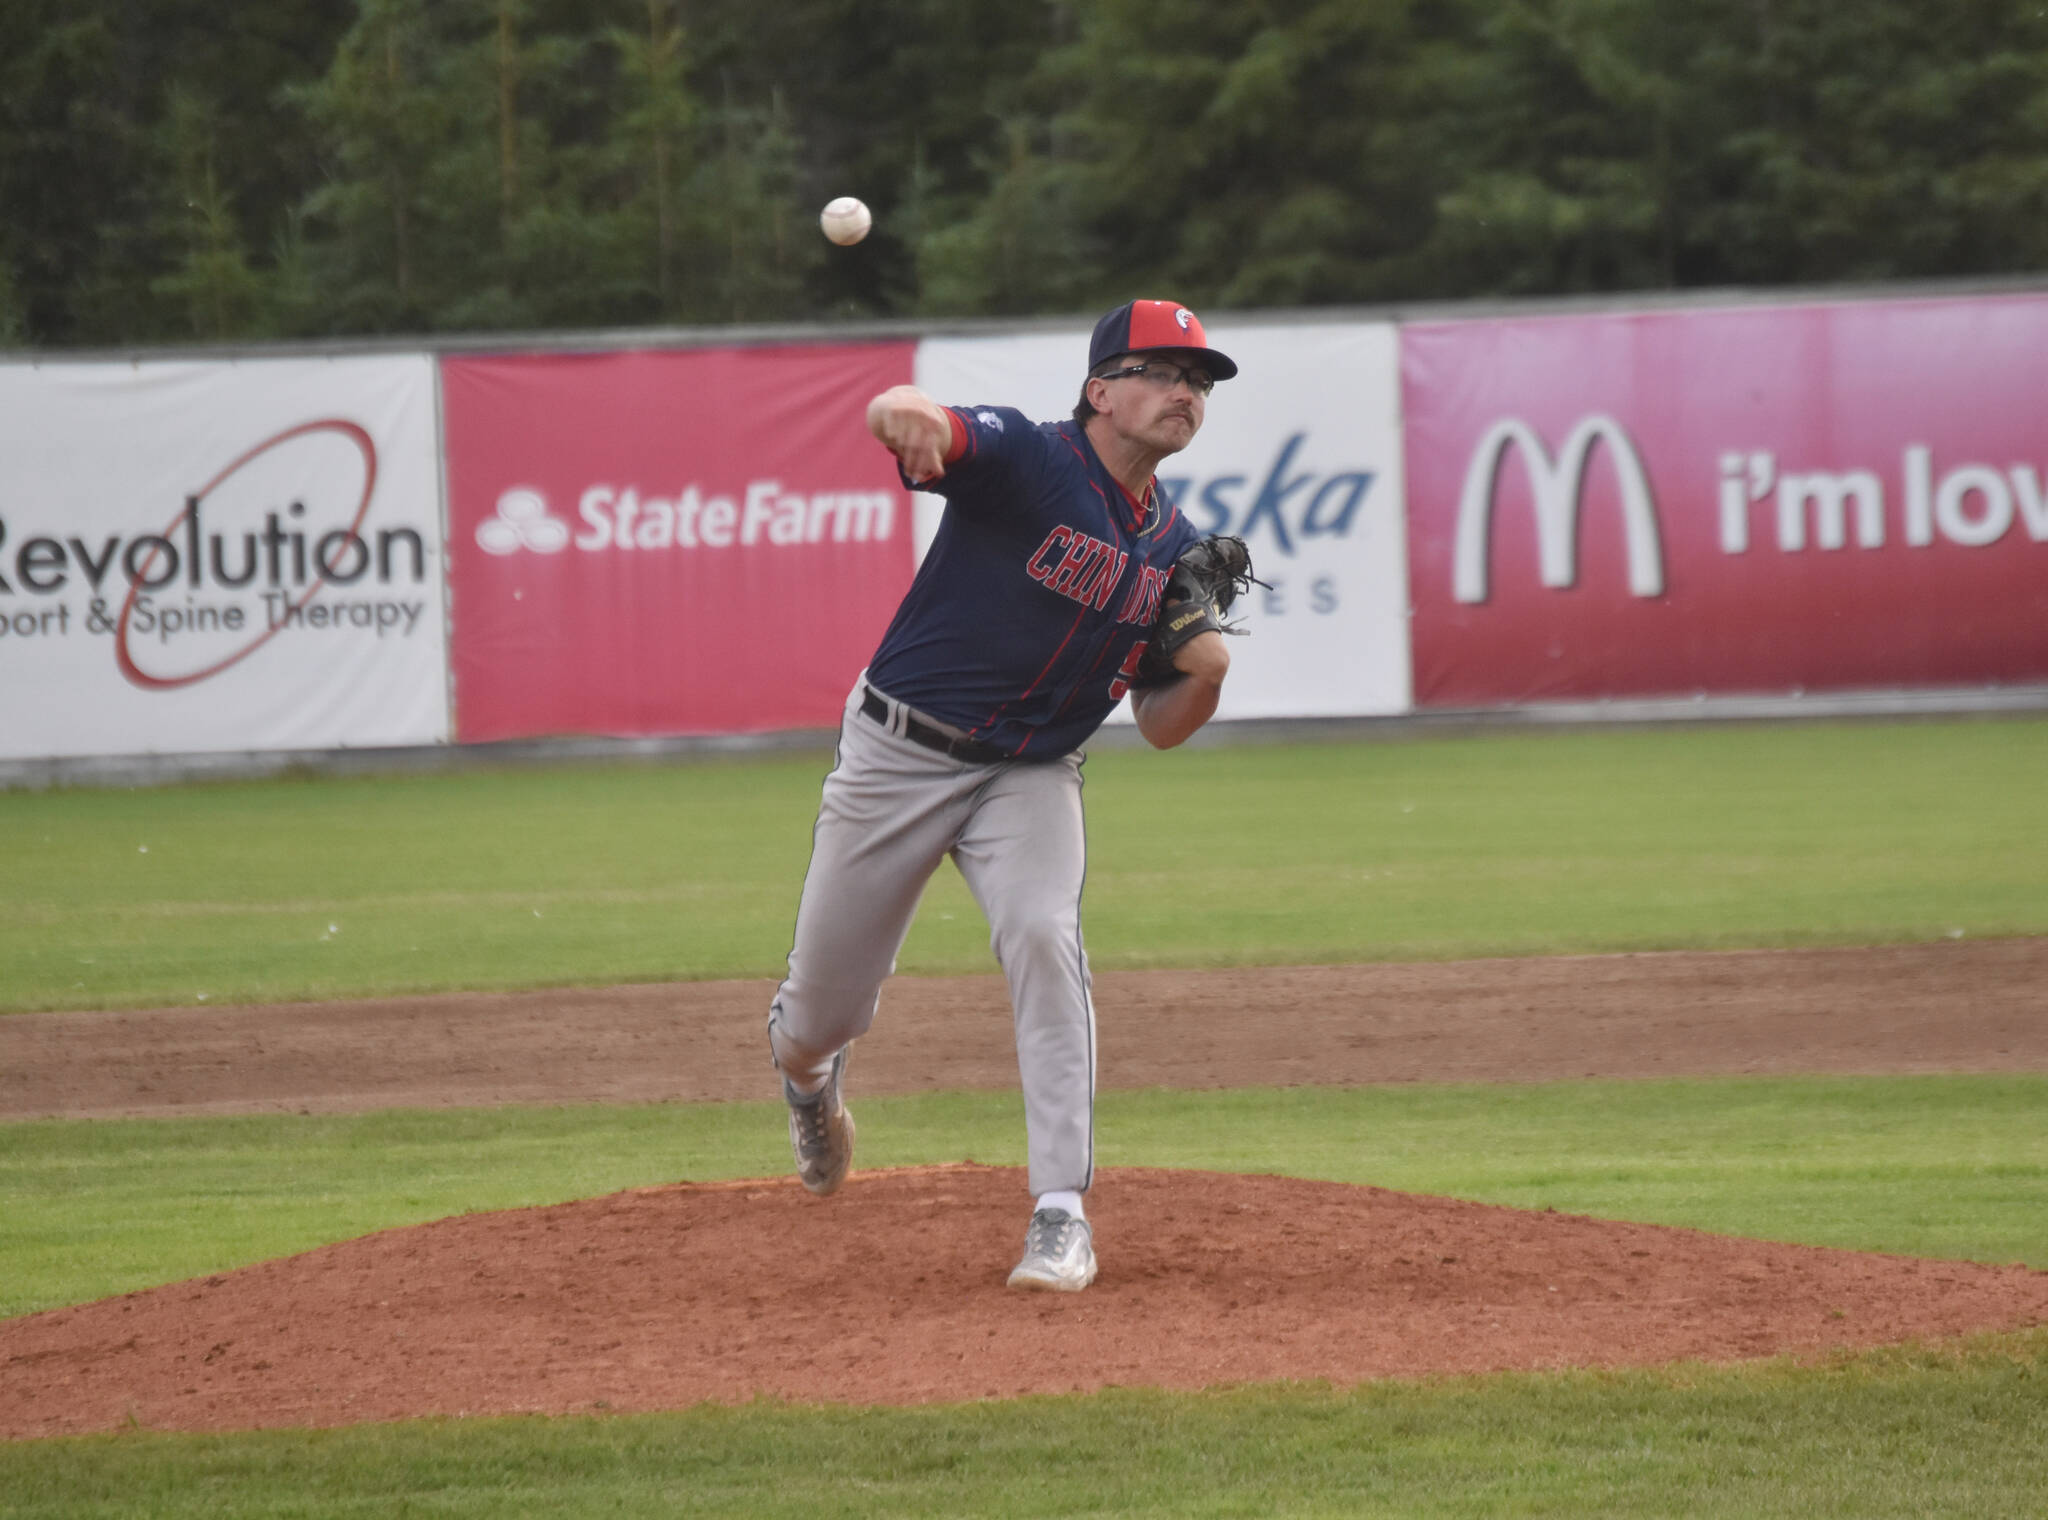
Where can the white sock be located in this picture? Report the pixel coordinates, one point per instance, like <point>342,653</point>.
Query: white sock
<point>1071,1202</point>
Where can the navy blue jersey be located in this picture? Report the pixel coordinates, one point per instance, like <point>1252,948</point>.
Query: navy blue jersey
<point>1027,617</point>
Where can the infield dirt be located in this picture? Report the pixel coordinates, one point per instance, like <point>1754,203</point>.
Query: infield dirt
<point>893,1290</point>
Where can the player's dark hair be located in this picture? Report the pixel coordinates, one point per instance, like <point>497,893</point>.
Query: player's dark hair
<point>1084,408</point>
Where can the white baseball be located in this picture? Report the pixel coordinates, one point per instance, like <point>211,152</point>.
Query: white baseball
<point>846,220</point>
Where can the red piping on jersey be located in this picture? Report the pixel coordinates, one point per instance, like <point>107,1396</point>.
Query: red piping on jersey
<point>1137,506</point>
<point>989,722</point>
<point>1075,691</point>
<point>958,444</point>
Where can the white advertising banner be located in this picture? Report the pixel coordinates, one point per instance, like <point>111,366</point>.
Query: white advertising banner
<point>1300,456</point>
<point>220,555</point>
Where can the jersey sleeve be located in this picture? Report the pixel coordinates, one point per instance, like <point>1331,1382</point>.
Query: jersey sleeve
<point>997,453</point>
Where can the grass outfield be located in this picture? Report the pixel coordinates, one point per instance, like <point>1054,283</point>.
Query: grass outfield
<point>1427,848</point>
<point>1893,1433</point>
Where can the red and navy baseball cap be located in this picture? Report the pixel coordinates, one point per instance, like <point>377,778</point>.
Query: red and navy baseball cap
<point>1137,327</point>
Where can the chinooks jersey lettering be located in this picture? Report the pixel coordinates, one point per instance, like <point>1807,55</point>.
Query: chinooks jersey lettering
<point>1025,621</point>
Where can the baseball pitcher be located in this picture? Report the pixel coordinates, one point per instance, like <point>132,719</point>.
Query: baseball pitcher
<point>1058,583</point>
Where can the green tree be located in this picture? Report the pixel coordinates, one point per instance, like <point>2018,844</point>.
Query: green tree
<point>13,319</point>
<point>222,296</point>
<point>502,164</point>
<point>759,237</point>
<point>908,104</point>
<point>1894,140</point>
<point>89,153</point>
<point>387,121</point>
<point>1272,152</point>
<point>222,168</point>
<point>70,165</point>
<point>1024,247</point>
<point>656,143</point>
<point>1575,137</point>
<point>529,179</point>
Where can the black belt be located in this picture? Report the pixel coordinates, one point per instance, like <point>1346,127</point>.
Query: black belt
<point>918,731</point>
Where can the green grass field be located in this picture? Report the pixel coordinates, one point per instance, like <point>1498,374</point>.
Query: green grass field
<point>1425,849</point>
<point>1901,1434</point>
<point>1432,847</point>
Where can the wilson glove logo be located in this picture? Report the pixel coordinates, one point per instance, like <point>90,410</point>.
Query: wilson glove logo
<point>1556,488</point>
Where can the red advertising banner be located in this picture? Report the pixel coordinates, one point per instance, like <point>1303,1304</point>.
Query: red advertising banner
<point>1737,501</point>
<point>688,542</point>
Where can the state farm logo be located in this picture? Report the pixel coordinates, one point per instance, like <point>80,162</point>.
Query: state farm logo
<point>522,522</point>
<point>1556,488</point>
<point>622,518</point>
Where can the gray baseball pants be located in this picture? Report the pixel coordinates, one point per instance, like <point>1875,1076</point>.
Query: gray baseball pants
<point>892,811</point>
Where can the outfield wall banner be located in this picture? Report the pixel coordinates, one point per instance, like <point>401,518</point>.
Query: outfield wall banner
<point>1300,455</point>
<point>1767,500</point>
<point>674,542</point>
<point>220,556</point>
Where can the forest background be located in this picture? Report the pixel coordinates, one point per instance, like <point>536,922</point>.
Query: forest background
<point>232,170</point>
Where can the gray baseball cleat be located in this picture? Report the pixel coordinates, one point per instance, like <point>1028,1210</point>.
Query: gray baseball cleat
<point>821,1132</point>
<point>1059,1253</point>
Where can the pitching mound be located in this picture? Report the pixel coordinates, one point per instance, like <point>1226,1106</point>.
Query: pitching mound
<point>892,1292</point>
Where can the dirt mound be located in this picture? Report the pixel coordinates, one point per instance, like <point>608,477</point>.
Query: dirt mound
<point>893,1292</point>
<point>1959,1005</point>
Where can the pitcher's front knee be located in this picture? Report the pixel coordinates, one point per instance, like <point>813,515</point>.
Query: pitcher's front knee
<point>1037,940</point>
<point>807,1027</point>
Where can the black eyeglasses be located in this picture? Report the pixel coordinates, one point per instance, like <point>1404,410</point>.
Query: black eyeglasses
<point>1164,373</point>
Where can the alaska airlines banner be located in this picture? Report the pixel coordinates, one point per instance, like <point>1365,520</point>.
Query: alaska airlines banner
<point>692,542</point>
<point>1300,456</point>
<point>219,556</point>
<point>1754,500</point>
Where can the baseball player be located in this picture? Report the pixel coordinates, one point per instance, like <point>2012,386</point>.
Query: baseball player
<point>1037,609</point>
